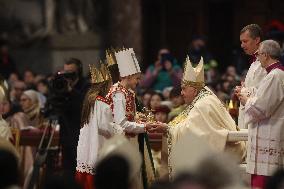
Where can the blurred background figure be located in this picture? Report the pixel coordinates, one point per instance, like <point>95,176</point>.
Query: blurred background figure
<point>177,102</point>
<point>161,113</point>
<point>42,87</point>
<point>7,66</point>
<point>156,100</point>
<point>166,92</point>
<point>7,110</point>
<point>188,181</point>
<point>162,184</point>
<point>198,48</point>
<point>14,77</point>
<point>163,73</point>
<point>61,181</point>
<point>276,181</point>
<point>113,173</point>
<point>17,89</point>
<point>146,98</point>
<point>275,31</point>
<point>29,79</point>
<point>9,166</point>
<point>30,104</point>
<point>119,165</point>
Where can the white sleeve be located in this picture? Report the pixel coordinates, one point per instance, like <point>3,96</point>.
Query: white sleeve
<point>119,112</point>
<point>268,97</point>
<point>106,126</point>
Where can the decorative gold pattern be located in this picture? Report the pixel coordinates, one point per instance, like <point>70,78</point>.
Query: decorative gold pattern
<point>169,152</point>
<point>105,72</point>
<point>180,118</point>
<point>183,115</point>
<point>130,100</point>
<point>193,84</point>
<point>16,133</point>
<point>100,74</point>
<point>193,76</point>
<point>110,57</point>
<point>145,116</point>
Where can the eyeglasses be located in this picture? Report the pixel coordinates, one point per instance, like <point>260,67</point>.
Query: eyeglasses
<point>23,99</point>
<point>260,53</point>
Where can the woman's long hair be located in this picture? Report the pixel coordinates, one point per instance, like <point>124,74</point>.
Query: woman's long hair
<point>99,89</point>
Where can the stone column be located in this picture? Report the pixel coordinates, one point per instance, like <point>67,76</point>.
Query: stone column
<point>125,22</point>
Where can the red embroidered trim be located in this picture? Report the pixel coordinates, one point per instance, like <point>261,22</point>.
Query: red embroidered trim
<point>130,100</point>
<point>267,150</point>
<point>100,98</point>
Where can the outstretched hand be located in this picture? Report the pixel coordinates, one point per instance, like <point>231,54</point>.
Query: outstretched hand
<point>157,127</point>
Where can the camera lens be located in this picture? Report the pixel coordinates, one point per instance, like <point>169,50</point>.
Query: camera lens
<point>59,84</point>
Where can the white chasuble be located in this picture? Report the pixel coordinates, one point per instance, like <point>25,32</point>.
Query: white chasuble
<point>207,118</point>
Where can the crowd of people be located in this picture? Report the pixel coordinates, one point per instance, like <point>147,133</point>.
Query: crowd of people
<point>175,99</point>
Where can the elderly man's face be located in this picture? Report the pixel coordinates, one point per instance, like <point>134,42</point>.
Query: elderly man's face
<point>262,57</point>
<point>249,44</point>
<point>188,93</point>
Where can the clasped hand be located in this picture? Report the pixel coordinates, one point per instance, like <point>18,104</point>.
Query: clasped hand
<point>156,127</point>
<point>242,98</point>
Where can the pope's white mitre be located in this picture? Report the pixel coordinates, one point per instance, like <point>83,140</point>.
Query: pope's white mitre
<point>127,62</point>
<point>193,75</point>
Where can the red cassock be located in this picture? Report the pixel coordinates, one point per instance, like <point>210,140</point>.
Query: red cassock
<point>85,180</point>
<point>258,181</point>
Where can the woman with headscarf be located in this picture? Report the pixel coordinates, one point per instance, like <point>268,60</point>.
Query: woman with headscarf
<point>30,116</point>
<point>30,104</point>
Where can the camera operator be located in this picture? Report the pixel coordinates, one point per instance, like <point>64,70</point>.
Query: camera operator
<point>67,93</point>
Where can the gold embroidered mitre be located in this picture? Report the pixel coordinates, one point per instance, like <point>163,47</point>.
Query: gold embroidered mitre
<point>110,57</point>
<point>193,76</point>
<point>100,74</point>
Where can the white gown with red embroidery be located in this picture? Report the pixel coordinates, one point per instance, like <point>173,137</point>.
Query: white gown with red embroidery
<point>122,102</point>
<point>123,106</point>
<point>91,139</point>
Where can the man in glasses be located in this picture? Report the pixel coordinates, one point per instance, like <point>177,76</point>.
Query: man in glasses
<point>265,116</point>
